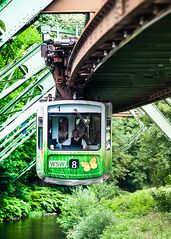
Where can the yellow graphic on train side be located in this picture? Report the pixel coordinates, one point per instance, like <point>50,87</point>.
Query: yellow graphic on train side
<point>91,165</point>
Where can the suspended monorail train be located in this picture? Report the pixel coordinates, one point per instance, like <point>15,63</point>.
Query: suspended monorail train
<point>74,142</point>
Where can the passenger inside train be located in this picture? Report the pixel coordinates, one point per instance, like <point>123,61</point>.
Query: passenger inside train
<point>75,140</point>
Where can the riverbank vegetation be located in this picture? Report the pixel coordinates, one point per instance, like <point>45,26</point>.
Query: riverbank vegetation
<point>134,203</point>
<point>34,200</point>
<point>90,213</point>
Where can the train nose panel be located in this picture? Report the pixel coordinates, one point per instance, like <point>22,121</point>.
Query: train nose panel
<point>76,166</point>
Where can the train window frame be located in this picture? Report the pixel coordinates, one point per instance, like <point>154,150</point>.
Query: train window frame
<point>60,123</point>
<point>40,132</point>
<point>108,134</point>
<point>61,147</point>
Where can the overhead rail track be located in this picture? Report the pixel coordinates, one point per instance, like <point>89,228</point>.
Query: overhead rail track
<point>21,13</point>
<point>98,60</point>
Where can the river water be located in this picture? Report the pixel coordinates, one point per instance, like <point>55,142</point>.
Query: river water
<point>44,227</point>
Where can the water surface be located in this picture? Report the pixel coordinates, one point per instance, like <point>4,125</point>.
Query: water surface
<point>44,227</point>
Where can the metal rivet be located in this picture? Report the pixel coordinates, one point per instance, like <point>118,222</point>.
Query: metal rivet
<point>105,53</point>
<point>113,45</point>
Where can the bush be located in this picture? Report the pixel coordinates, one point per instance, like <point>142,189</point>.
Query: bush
<point>75,207</point>
<point>132,204</point>
<point>152,226</point>
<point>162,197</point>
<point>105,190</point>
<point>13,209</point>
<point>41,200</point>
<point>93,225</point>
<point>46,199</point>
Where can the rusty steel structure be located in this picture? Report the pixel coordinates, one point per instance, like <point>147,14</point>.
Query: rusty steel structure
<point>73,6</point>
<point>116,25</point>
<point>122,54</point>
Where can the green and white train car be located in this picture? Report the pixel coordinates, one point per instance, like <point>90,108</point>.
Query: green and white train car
<point>62,162</point>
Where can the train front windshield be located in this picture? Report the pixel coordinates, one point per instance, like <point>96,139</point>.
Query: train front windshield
<point>74,131</point>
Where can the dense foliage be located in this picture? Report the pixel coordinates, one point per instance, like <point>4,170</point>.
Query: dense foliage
<point>64,21</point>
<point>14,48</point>
<point>143,161</point>
<point>162,196</point>
<point>12,165</point>
<point>125,215</point>
<point>37,199</point>
<point>82,214</point>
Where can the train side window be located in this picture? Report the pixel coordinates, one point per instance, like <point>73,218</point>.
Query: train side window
<point>89,128</point>
<point>61,126</point>
<point>40,132</point>
<point>82,127</point>
<point>108,134</point>
<point>63,129</point>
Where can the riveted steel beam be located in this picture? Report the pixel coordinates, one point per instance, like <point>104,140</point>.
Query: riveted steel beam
<point>15,120</point>
<point>73,6</point>
<point>113,17</point>
<point>3,4</point>
<point>161,121</point>
<point>19,13</point>
<point>26,56</point>
<point>17,141</point>
<point>98,61</point>
<point>19,131</point>
<point>21,126</point>
<point>23,171</point>
<point>30,63</point>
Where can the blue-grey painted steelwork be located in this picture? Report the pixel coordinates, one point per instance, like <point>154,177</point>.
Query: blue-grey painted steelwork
<point>157,116</point>
<point>21,13</point>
